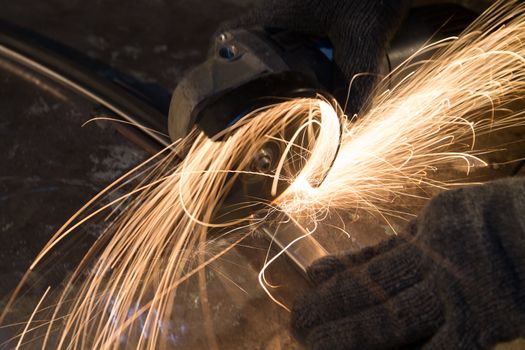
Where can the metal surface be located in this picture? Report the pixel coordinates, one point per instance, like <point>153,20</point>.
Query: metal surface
<point>125,105</point>
<point>294,240</point>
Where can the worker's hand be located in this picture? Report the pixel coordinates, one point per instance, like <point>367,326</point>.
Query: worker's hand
<point>359,31</point>
<point>454,280</point>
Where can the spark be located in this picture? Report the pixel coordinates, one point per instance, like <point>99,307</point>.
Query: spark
<point>31,318</point>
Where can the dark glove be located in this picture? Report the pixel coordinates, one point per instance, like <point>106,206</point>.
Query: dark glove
<point>358,29</point>
<point>454,280</point>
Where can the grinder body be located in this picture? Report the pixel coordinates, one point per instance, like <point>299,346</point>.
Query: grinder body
<point>250,68</point>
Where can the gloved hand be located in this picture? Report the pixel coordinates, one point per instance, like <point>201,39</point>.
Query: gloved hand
<point>359,31</point>
<point>454,280</point>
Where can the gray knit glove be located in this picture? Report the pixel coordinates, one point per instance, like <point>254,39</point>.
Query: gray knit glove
<point>454,280</point>
<point>358,29</point>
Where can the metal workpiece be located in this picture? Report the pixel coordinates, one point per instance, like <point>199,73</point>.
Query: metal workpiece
<point>114,96</point>
<point>293,239</point>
